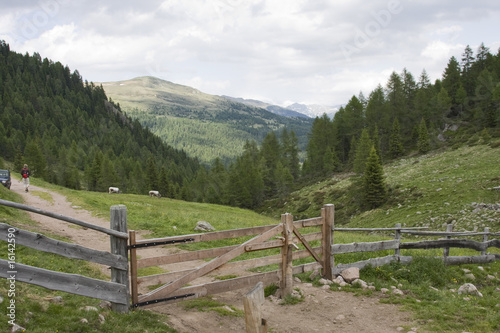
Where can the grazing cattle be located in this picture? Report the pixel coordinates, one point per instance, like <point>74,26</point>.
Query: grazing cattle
<point>154,194</point>
<point>114,190</point>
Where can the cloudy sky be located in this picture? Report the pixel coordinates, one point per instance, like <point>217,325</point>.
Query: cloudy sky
<point>278,51</point>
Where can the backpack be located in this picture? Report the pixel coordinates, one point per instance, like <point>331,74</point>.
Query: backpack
<point>25,174</point>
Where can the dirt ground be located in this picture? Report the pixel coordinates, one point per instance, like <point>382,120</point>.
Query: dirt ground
<point>322,310</point>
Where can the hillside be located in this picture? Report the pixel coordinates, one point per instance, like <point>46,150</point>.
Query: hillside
<point>451,186</point>
<point>204,126</point>
<point>70,134</point>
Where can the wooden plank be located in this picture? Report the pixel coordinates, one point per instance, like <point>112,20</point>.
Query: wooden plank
<point>218,287</point>
<point>306,244</point>
<point>460,243</point>
<point>118,222</point>
<point>312,222</point>
<point>252,303</point>
<point>70,283</point>
<point>327,241</point>
<point>133,268</point>
<point>286,267</point>
<point>212,253</point>
<point>84,224</point>
<point>442,233</point>
<point>404,229</point>
<point>206,268</point>
<point>230,266</point>
<point>216,235</point>
<point>43,243</point>
<point>365,247</point>
<point>482,259</point>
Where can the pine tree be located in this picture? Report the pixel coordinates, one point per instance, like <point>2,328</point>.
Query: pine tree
<point>374,187</point>
<point>362,152</point>
<point>424,144</point>
<point>395,146</point>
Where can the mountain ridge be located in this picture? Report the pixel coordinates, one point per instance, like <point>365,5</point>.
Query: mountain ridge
<point>203,125</point>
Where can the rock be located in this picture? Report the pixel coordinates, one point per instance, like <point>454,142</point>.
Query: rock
<point>350,274</point>
<point>90,308</point>
<point>338,280</point>
<point>84,321</point>
<point>384,290</point>
<point>325,281</point>
<point>360,283</point>
<point>102,320</point>
<point>490,277</point>
<point>340,317</point>
<point>397,292</point>
<point>226,307</point>
<point>56,300</point>
<point>469,289</point>
<point>296,279</point>
<point>204,226</point>
<point>105,305</point>
<point>470,276</point>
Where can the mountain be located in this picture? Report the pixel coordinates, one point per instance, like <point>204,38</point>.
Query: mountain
<point>314,110</point>
<point>70,134</point>
<point>204,126</point>
<point>286,112</point>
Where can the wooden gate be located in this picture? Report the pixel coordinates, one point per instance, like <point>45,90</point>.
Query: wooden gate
<point>285,236</point>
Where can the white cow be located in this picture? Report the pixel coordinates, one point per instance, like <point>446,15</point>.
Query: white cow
<point>154,194</point>
<point>114,190</point>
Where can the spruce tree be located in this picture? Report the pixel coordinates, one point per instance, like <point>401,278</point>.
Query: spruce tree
<point>395,146</point>
<point>362,152</point>
<point>374,187</point>
<point>424,143</point>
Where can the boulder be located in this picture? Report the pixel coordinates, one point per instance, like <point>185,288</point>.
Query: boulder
<point>350,274</point>
<point>469,289</point>
<point>204,226</point>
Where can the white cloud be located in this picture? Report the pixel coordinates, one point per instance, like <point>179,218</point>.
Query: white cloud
<point>298,50</point>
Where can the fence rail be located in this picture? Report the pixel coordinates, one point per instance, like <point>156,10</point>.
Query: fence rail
<point>116,291</point>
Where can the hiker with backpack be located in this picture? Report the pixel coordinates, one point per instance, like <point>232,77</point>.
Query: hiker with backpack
<point>25,173</point>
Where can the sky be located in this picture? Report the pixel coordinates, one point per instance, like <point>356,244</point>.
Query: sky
<point>277,51</point>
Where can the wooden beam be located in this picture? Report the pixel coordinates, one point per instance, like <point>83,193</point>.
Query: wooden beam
<point>208,267</point>
<point>70,283</point>
<point>43,243</point>
<point>327,241</point>
<point>306,244</point>
<point>252,303</point>
<point>365,247</point>
<point>286,265</point>
<point>84,224</point>
<point>118,222</point>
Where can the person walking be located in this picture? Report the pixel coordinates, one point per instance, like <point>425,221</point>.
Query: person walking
<point>25,173</point>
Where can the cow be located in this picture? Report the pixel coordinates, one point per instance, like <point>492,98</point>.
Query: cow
<point>154,194</point>
<point>114,190</point>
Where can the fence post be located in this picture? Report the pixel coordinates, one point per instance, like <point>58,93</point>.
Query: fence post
<point>446,250</point>
<point>397,236</point>
<point>133,268</point>
<point>328,213</point>
<point>118,222</point>
<point>252,303</point>
<point>485,239</point>
<point>286,255</point>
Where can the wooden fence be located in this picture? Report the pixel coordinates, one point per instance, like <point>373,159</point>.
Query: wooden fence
<point>450,240</point>
<point>284,236</point>
<point>173,283</point>
<point>116,291</point>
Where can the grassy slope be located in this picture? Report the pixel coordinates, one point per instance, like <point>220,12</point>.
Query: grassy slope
<point>429,190</point>
<point>425,190</point>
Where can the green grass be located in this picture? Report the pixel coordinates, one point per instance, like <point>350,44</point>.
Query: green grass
<point>206,303</point>
<point>430,190</point>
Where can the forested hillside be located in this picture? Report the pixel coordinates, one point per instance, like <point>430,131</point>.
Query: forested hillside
<point>406,116</point>
<point>70,134</point>
<point>411,114</point>
<point>204,126</point>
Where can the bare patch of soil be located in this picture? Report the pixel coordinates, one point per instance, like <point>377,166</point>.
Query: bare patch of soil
<point>321,311</point>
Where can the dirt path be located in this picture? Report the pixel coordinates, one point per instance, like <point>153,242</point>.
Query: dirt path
<point>322,310</point>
